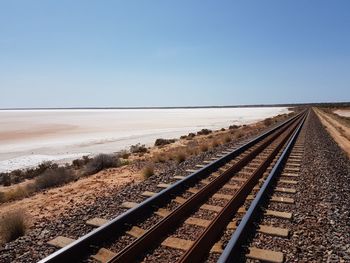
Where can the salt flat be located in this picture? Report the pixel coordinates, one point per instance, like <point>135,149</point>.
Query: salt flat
<point>345,113</point>
<point>28,137</point>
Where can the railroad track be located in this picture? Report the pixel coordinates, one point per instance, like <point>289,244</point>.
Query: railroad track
<point>192,219</point>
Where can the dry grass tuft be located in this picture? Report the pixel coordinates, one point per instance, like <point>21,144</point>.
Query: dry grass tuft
<point>17,193</point>
<point>268,121</point>
<point>239,135</point>
<point>215,143</point>
<point>180,156</point>
<point>12,226</point>
<point>160,158</point>
<point>227,139</point>
<point>148,171</point>
<point>204,147</point>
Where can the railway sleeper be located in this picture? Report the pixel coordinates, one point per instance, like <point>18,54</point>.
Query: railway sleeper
<point>265,255</point>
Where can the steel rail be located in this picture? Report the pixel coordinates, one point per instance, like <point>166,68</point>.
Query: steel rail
<point>232,250</point>
<point>207,238</point>
<point>157,232</point>
<point>84,245</point>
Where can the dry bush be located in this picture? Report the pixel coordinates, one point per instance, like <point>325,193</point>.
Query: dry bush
<point>124,154</point>
<point>2,197</point>
<point>100,162</point>
<point>215,143</point>
<point>233,127</point>
<point>204,132</point>
<point>170,156</point>
<point>160,158</point>
<point>54,177</point>
<point>227,139</point>
<point>5,179</point>
<point>268,122</point>
<point>180,157</point>
<point>148,171</point>
<point>204,147</point>
<point>190,136</point>
<point>162,142</point>
<point>192,151</point>
<point>12,225</point>
<point>138,148</point>
<point>79,163</point>
<point>239,135</point>
<point>18,193</point>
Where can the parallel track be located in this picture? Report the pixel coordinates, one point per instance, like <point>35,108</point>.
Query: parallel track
<point>232,179</point>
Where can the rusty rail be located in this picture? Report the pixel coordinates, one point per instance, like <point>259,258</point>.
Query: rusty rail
<point>233,248</point>
<point>156,233</point>
<point>84,245</point>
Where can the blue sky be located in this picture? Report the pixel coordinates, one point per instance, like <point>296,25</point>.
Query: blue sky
<point>173,53</point>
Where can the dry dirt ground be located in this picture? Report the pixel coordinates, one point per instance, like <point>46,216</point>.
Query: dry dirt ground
<point>339,131</point>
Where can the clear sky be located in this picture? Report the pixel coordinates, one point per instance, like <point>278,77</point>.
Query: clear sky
<point>173,53</point>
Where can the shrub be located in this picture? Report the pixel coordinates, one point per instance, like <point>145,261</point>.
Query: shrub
<point>159,158</point>
<point>100,162</point>
<point>215,143</point>
<point>148,171</point>
<point>162,142</point>
<point>12,226</point>
<point>180,157</point>
<point>6,179</point>
<point>78,163</point>
<point>54,177</point>
<point>124,154</point>
<point>233,127</point>
<point>204,132</point>
<point>2,197</point>
<point>138,148</point>
<point>222,129</point>
<point>204,147</point>
<point>191,151</point>
<point>239,135</point>
<point>191,135</point>
<point>268,122</point>
<point>227,139</point>
<point>18,193</point>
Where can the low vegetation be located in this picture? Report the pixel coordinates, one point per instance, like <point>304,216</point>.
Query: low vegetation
<point>160,157</point>
<point>215,143</point>
<point>79,163</point>
<point>54,177</point>
<point>204,132</point>
<point>162,142</point>
<point>12,226</point>
<point>227,139</point>
<point>148,171</point>
<point>268,122</point>
<point>17,193</point>
<point>102,161</point>
<point>124,154</point>
<point>233,127</point>
<point>204,147</point>
<point>180,157</point>
<point>17,176</point>
<point>138,148</point>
